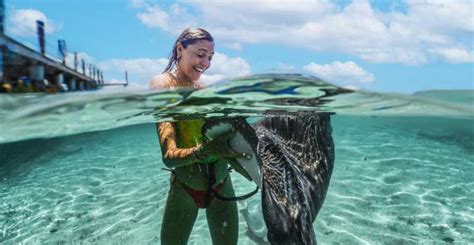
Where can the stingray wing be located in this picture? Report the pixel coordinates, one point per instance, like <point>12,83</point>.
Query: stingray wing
<point>297,154</point>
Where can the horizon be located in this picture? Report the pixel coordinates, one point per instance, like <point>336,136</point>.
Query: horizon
<point>397,46</point>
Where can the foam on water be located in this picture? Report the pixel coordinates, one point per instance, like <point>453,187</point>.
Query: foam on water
<point>403,178</point>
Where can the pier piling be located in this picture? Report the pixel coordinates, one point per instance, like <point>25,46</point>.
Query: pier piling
<point>40,30</point>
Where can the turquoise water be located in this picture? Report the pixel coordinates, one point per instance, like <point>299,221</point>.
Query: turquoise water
<point>87,168</point>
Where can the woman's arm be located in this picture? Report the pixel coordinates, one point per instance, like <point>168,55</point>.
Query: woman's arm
<point>172,155</point>
<point>176,157</point>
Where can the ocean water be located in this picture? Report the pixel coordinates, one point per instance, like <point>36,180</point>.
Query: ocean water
<point>86,167</point>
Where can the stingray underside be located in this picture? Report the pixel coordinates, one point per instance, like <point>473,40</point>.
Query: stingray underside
<point>297,155</point>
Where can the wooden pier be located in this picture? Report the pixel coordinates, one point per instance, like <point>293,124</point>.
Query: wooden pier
<point>23,69</point>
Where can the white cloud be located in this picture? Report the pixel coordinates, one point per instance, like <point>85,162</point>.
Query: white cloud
<point>211,79</point>
<point>141,70</point>
<point>22,22</point>
<point>173,20</point>
<point>153,16</point>
<point>234,46</point>
<point>340,72</point>
<point>230,67</point>
<point>224,67</point>
<point>397,36</point>
<point>455,55</point>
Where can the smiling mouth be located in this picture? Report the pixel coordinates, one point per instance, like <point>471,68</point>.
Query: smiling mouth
<point>201,70</point>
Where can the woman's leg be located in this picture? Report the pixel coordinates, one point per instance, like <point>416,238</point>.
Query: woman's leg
<point>179,217</point>
<point>222,217</point>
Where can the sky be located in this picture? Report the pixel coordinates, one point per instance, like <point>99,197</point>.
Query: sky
<point>399,46</point>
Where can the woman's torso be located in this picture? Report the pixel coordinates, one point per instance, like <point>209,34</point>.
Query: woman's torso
<point>188,134</point>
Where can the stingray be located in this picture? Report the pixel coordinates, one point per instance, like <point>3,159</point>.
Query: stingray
<point>292,157</point>
<point>243,140</point>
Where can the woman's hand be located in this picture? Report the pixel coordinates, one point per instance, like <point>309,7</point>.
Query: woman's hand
<point>219,147</point>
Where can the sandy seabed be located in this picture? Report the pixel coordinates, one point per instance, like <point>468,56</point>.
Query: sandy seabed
<point>396,181</point>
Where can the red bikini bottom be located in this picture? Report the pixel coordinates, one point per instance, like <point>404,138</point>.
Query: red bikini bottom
<point>200,196</point>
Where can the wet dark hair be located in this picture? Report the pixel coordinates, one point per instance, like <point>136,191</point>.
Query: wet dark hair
<point>187,37</point>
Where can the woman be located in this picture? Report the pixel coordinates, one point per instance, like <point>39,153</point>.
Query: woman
<point>197,167</point>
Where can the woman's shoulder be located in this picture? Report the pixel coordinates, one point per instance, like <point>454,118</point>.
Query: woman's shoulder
<point>162,81</point>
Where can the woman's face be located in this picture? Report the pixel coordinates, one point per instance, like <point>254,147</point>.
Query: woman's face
<point>195,59</point>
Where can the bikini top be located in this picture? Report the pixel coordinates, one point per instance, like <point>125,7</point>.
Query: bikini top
<point>189,133</point>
